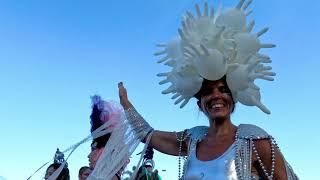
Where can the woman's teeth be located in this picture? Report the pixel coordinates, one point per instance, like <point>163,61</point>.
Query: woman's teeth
<point>217,106</point>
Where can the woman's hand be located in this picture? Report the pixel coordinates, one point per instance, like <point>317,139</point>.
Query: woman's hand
<point>165,142</point>
<point>123,96</point>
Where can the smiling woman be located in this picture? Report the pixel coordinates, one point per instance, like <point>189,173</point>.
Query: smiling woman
<point>55,54</point>
<point>216,60</point>
<point>249,151</point>
<point>205,100</point>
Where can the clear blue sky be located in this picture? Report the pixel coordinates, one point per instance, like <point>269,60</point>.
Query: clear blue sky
<point>55,54</point>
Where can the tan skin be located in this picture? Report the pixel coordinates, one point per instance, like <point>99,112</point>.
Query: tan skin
<point>217,104</point>
<point>49,172</point>
<point>93,159</point>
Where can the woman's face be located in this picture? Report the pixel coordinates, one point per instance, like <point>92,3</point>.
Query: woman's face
<point>215,100</point>
<point>49,172</point>
<point>94,156</point>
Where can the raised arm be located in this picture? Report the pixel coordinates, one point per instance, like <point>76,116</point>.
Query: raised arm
<point>165,142</point>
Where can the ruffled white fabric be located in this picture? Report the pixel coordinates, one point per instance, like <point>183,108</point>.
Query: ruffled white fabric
<point>122,143</point>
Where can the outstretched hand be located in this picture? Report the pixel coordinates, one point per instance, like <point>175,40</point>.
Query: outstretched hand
<point>123,96</point>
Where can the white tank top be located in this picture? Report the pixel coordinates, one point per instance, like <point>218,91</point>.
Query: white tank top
<point>221,168</point>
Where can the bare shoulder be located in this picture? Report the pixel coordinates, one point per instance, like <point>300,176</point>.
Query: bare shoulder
<point>264,147</point>
<point>266,156</point>
<point>115,178</point>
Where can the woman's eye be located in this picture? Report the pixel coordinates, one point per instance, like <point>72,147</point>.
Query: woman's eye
<point>206,92</point>
<point>223,89</point>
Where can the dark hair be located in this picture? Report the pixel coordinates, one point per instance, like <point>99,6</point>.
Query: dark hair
<point>95,118</point>
<point>82,169</point>
<point>96,123</point>
<point>64,175</point>
<point>204,85</point>
<point>101,141</point>
<point>149,153</point>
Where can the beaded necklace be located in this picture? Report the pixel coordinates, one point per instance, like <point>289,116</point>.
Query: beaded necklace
<point>273,145</point>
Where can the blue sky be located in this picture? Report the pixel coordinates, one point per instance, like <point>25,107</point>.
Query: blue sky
<point>55,54</point>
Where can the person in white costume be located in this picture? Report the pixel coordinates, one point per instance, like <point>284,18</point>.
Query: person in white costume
<point>102,112</point>
<point>112,143</point>
<point>216,60</point>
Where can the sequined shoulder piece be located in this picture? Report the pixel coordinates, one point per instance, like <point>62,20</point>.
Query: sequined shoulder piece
<point>197,133</point>
<point>247,131</point>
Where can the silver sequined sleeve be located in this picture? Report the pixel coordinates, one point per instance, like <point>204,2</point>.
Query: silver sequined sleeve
<point>140,126</point>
